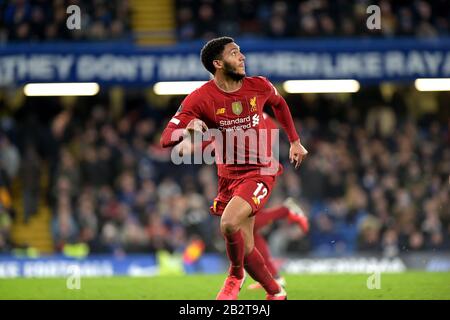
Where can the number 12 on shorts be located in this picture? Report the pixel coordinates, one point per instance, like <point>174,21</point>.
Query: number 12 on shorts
<point>260,192</point>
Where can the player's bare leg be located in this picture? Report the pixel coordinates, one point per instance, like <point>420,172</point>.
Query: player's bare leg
<point>234,217</point>
<point>247,233</point>
<point>237,228</point>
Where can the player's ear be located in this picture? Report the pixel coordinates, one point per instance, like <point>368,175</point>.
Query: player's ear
<point>218,64</point>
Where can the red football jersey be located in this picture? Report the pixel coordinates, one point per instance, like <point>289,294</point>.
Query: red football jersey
<point>236,112</point>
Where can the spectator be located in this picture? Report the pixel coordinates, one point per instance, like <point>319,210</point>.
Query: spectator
<point>36,21</point>
<point>5,230</point>
<point>31,179</point>
<point>64,227</point>
<point>311,18</point>
<point>9,157</point>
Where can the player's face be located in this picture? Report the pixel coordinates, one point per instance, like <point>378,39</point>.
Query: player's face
<point>233,61</point>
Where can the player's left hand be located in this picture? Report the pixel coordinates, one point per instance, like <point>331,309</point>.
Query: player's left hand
<point>297,152</point>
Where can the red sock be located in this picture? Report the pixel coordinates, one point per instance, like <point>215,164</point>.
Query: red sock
<point>263,248</point>
<point>235,253</point>
<point>254,264</point>
<point>266,216</point>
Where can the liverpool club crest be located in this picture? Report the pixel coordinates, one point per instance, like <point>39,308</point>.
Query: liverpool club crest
<point>253,105</point>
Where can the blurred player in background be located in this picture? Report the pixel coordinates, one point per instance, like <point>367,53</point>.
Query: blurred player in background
<point>233,102</point>
<point>289,210</point>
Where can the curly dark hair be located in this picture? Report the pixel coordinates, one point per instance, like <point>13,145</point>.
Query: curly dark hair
<point>212,50</point>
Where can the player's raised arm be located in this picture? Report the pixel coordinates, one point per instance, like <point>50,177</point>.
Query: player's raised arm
<point>185,121</point>
<point>282,113</point>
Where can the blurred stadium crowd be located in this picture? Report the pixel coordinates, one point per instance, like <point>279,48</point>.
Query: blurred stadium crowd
<point>376,178</point>
<point>309,18</point>
<point>38,20</point>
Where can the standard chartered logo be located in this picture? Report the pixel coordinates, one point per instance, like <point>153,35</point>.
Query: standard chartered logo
<point>239,123</point>
<point>255,120</point>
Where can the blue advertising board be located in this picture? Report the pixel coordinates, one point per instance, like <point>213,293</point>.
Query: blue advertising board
<point>367,60</point>
<point>103,266</point>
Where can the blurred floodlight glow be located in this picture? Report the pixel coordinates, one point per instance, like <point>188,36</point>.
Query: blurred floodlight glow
<point>433,84</point>
<point>321,86</point>
<point>62,89</point>
<point>177,87</point>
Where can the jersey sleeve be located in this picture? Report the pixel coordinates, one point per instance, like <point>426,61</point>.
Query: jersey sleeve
<point>189,109</point>
<point>272,92</point>
<point>281,110</point>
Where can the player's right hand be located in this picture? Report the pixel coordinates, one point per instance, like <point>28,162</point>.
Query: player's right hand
<point>184,147</point>
<point>196,125</point>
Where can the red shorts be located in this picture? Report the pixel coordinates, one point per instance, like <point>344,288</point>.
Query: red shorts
<point>254,190</point>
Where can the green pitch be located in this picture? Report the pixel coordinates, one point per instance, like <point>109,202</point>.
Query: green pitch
<point>410,285</point>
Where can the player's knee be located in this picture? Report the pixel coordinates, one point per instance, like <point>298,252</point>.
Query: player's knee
<point>228,226</point>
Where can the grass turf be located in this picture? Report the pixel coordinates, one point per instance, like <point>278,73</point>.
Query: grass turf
<point>409,285</point>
